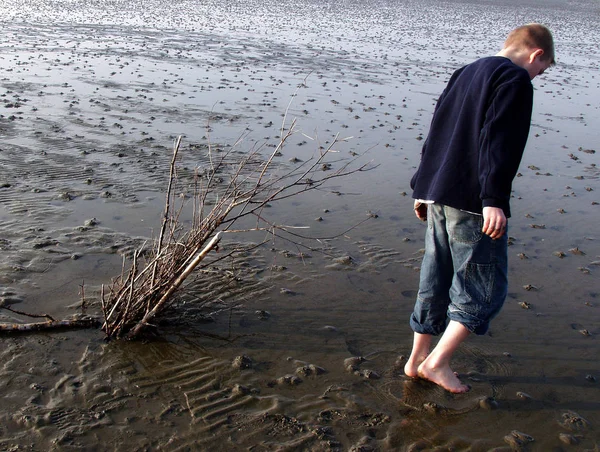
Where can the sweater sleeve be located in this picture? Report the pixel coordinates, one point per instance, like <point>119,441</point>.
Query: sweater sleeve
<point>502,141</point>
<point>413,179</point>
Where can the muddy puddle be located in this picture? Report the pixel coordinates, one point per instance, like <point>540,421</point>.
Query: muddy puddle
<point>285,347</point>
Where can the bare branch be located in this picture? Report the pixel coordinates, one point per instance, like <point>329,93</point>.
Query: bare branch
<point>234,188</point>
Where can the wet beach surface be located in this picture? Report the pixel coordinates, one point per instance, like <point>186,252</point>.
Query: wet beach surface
<point>308,354</point>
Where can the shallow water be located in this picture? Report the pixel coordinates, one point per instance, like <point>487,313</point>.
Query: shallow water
<point>93,95</point>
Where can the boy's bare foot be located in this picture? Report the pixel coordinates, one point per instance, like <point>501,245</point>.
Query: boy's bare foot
<point>411,368</point>
<point>418,354</point>
<point>443,377</point>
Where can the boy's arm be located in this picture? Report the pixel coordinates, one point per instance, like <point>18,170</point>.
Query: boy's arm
<point>503,139</point>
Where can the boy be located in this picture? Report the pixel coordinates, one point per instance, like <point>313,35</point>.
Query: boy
<point>462,189</point>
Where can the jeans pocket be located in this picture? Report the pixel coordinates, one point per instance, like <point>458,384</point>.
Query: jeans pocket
<point>479,281</point>
<point>464,227</point>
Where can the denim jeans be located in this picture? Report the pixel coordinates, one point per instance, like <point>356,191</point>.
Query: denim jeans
<point>463,274</point>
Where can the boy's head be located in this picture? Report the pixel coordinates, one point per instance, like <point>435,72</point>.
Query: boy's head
<point>530,46</point>
<point>531,37</point>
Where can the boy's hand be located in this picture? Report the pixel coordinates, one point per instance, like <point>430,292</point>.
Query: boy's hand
<point>421,210</point>
<point>494,222</point>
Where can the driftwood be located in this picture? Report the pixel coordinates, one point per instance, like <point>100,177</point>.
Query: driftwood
<point>229,189</point>
<point>88,322</point>
<point>49,324</point>
<point>175,285</point>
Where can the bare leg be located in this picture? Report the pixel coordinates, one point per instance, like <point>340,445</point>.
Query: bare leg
<point>420,351</point>
<point>436,367</point>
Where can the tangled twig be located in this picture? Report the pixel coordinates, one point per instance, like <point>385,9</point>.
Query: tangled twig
<point>227,191</point>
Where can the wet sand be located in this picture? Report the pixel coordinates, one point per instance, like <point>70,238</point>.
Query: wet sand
<point>295,349</point>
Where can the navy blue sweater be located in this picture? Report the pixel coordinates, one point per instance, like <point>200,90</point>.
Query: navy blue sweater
<point>477,137</point>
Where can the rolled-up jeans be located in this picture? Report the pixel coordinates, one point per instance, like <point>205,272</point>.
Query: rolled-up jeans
<point>463,274</point>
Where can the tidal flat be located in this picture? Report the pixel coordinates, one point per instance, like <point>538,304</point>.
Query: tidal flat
<point>285,347</point>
